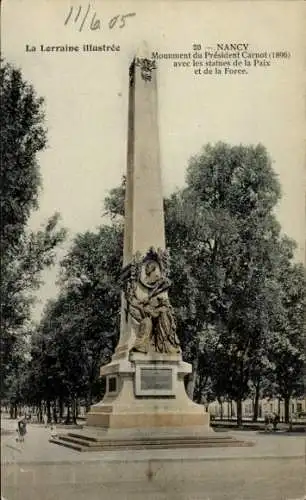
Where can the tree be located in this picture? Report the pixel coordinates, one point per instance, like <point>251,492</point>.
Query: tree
<point>24,254</point>
<point>224,231</point>
<point>23,135</point>
<point>204,390</point>
<point>286,351</point>
<point>79,330</point>
<point>17,377</point>
<point>114,202</point>
<point>90,277</point>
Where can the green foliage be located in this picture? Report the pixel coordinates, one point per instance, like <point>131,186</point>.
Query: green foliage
<point>226,251</point>
<point>79,330</point>
<point>114,202</point>
<point>24,254</point>
<point>286,352</point>
<point>16,381</point>
<point>238,179</point>
<point>23,135</point>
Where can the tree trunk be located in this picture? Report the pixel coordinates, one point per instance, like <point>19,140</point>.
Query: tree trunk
<point>201,383</point>
<point>221,410</point>
<point>54,412</point>
<point>192,379</point>
<point>88,399</point>
<point>74,410</point>
<point>68,418</point>
<point>256,402</point>
<point>239,412</point>
<point>48,407</point>
<point>287,409</point>
<point>77,408</point>
<point>39,413</point>
<point>13,411</point>
<point>61,409</point>
<point>197,394</point>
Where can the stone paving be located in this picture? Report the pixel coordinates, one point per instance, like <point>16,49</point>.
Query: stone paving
<point>274,469</point>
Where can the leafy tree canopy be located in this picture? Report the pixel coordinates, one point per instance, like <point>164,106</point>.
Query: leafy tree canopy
<point>24,254</point>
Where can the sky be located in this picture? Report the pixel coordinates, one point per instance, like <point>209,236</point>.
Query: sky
<point>86,97</point>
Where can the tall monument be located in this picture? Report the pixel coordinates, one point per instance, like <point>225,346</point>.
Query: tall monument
<point>145,403</point>
<point>145,379</point>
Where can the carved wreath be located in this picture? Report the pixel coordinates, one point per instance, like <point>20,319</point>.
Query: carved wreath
<point>146,67</point>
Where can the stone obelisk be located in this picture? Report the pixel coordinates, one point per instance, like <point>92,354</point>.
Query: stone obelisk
<point>145,379</point>
<point>144,219</point>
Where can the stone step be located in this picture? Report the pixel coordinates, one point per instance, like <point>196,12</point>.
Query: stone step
<point>83,436</point>
<point>79,441</point>
<point>97,439</point>
<point>87,443</point>
<point>66,444</point>
<point>142,442</point>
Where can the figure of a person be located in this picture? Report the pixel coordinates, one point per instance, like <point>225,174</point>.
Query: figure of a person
<point>275,421</point>
<point>53,431</point>
<point>165,337</point>
<point>22,428</point>
<point>152,272</point>
<point>157,327</point>
<point>154,279</point>
<point>266,419</point>
<point>142,312</point>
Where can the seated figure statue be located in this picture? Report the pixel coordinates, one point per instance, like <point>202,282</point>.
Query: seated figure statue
<point>157,326</point>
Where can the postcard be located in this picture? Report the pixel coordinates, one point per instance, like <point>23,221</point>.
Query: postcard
<point>195,110</point>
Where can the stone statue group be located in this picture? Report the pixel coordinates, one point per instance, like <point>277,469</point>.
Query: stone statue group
<point>154,314</point>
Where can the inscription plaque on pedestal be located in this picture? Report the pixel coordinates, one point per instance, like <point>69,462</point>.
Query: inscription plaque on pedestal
<point>152,380</point>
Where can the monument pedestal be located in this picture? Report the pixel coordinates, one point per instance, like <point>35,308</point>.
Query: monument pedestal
<point>147,391</point>
<point>146,407</point>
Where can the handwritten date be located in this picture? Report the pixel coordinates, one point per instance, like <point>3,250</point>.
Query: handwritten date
<point>88,18</point>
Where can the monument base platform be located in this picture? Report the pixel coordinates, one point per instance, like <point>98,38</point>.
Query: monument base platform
<point>146,407</point>
<point>95,439</point>
<point>148,419</point>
